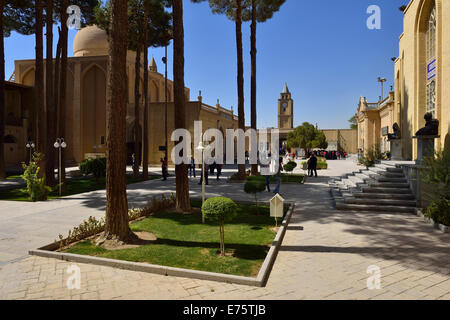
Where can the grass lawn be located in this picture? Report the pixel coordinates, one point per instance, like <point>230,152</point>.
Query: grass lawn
<point>184,242</point>
<point>74,186</point>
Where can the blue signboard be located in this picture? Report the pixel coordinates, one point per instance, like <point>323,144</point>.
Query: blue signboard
<point>431,70</point>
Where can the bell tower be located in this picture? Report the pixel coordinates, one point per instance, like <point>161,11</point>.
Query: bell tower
<point>285,110</point>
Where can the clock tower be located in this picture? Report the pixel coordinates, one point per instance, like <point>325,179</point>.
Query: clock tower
<point>285,110</point>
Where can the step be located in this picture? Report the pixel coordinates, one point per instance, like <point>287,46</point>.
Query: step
<point>393,180</point>
<point>394,170</point>
<point>386,190</point>
<point>380,202</point>
<point>378,208</point>
<point>384,196</point>
<point>389,185</point>
<point>391,175</point>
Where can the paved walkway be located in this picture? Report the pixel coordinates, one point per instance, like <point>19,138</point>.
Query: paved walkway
<point>325,254</point>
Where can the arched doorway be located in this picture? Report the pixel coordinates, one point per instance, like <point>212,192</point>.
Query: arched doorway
<point>94,111</point>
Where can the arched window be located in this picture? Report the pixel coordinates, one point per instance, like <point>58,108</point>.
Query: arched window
<point>431,62</point>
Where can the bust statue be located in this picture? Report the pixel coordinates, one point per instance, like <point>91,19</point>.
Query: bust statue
<point>396,134</point>
<point>431,126</point>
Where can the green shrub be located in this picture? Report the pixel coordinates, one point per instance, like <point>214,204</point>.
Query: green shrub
<point>254,187</point>
<point>220,209</point>
<point>436,173</point>
<point>439,210</point>
<point>97,167</point>
<point>36,188</point>
<point>321,165</point>
<point>290,166</point>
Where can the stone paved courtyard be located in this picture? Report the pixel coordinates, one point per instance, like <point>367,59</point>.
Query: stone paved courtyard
<point>325,255</point>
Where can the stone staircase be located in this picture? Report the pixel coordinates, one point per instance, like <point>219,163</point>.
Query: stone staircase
<point>382,188</point>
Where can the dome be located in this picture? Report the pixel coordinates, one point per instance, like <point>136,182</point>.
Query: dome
<point>90,41</point>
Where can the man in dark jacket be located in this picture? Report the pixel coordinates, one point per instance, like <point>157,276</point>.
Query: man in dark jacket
<point>312,165</point>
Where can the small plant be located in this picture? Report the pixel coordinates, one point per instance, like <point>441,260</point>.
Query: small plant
<point>220,209</point>
<point>372,156</point>
<point>439,210</point>
<point>289,167</point>
<point>254,187</point>
<point>96,167</point>
<point>92,226</point>
<point>36,188</point>
<point>437,174</point>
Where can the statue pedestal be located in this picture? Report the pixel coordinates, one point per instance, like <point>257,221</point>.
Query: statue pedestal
<point>396,149</point>
<point>425,147</point>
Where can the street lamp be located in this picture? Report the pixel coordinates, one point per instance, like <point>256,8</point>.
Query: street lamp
<point>30,145</point>
<point>382,80</point>
<point>201,148</point>
<point>60,144</point>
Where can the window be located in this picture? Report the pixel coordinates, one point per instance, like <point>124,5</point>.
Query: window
<point>431,62</point>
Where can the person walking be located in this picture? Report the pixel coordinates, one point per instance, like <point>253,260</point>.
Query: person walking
<point>219,171</point>
<point>278,176</point>
<point>192,168</point>
<point>164,168</point>
<point>312,165</point>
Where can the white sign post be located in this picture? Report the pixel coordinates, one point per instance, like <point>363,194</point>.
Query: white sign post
<point>277,208</point>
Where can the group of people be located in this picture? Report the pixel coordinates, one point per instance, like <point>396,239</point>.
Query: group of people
<point>207,170</point>
<point>333,155</point>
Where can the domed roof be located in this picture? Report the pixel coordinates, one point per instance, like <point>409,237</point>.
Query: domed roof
<point>90,41</point>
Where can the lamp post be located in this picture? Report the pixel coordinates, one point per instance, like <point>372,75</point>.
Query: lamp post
<point>164,59</point>
<point>382,80</point>
<point>201,148</point>
<point>30,145</point>
<point>60,144</point>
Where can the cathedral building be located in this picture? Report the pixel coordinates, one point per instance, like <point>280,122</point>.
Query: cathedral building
<point>85,124</point>
<point>422,82</point>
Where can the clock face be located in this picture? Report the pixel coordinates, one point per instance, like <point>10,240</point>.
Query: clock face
<point>285,105</point>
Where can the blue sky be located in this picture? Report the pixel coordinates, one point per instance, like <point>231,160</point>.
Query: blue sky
<point>322,49</point>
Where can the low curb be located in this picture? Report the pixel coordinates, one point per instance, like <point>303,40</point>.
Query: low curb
<point>438,226</point>
<point>259,281</point>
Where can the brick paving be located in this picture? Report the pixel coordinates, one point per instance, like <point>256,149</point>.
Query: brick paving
<point>325,255</point>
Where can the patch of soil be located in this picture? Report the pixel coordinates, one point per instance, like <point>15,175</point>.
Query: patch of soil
<point>275,229</point>
<point>227,253</point>
<point>142,238</point>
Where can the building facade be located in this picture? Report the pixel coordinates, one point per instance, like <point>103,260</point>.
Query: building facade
<point>85,124</point>
<point>422,82</point>
<point>375,122</point>
<point>422,72</point>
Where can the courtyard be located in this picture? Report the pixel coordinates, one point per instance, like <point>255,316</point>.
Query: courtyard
<point>325,254</point>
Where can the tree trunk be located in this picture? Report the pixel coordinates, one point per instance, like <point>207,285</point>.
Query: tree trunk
<point>137,80</point>
<point>182,183</point>
<point>145,120</point>
<point>253,77</point>
<point>240,78</point>
<point>117,227</point>
<point>222,239</point>
<point>40,112</point>
<point>50,107</point>
<point>63,87</point>
<point>2,94</point>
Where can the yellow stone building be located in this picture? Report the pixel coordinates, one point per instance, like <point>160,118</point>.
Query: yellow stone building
<point>422,81</point>
<point>375,121</point>
<point>87,95</point>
